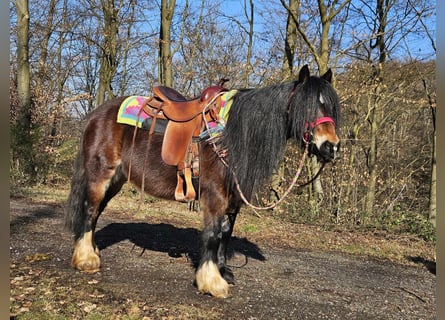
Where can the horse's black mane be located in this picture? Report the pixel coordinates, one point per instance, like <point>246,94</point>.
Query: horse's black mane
<point>261,120</point>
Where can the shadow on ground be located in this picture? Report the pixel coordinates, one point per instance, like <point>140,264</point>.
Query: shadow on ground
<point>167,238</point>
<point>430,265</point>
<point>39,214</point>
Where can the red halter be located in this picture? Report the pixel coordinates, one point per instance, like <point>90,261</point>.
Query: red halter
<point>322,120</point>
<point>310,126</point>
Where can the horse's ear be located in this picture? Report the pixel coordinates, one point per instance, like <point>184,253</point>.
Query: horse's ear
<point>304,74</point>
<point>328,75</point>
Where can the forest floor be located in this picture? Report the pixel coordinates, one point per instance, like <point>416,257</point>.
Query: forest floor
<point>283,271</point>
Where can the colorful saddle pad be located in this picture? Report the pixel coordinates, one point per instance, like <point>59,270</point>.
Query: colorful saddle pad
<point>226,103</point>
<point>130,111</point>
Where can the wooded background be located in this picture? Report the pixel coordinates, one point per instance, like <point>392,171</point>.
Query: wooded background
<point>67,57</point>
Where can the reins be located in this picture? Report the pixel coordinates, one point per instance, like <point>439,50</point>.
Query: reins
<point>286,193</point>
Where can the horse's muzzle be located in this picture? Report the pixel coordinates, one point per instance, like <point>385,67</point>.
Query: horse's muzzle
<point>327,152</point>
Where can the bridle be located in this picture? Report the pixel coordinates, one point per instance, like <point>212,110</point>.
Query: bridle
<point>309,133</point>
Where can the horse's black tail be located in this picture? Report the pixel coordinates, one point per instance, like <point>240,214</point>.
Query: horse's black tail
<point>75,210</point>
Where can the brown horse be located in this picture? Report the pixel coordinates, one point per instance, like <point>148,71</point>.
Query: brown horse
<point>259,124</point>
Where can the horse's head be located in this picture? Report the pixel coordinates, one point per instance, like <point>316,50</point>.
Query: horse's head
<point>315,112</point>
<point>322,139</point>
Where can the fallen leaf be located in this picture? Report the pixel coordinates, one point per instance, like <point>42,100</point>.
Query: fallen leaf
<point>37,257</point>
<point>89,308</point>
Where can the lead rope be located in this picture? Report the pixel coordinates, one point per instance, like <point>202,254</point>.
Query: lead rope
<point>273,205</point>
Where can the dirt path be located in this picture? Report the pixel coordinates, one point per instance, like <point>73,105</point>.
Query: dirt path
<point>148,274</point>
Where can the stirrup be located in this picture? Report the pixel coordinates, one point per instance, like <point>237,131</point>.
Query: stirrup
<point>189,193</point>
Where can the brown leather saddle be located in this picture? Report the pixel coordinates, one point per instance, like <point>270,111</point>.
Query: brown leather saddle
<point>186,119</point>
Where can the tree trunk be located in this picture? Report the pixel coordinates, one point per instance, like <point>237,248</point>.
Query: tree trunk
<point>290,43</point>
<point>374,104</point>
<point>128,45</point>
<point>23,128</point>
<point>432,206</point>
<point>42,72</point>
<point>23,70</point>
<point>165,56</point>
<point>108,62</point>
<point>381,15</point>
<point>323,50</point>
<point>250,43</point>
<point>58,109</point>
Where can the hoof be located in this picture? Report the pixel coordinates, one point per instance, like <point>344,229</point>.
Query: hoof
<point>86,254</point>
<point>209,280</point>
<point>87,264</point>
<point>228,275</point>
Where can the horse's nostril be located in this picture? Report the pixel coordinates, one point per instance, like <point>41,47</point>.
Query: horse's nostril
<point>336,151</point>
<point>330,147</point>
<point>331,150</point>
<point>327,152</point>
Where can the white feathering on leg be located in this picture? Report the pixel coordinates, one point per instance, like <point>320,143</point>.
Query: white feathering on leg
<point>209,280</point>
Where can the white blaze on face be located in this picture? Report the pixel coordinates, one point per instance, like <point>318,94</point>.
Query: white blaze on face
<point>324,131</point>
<point>319,140</point>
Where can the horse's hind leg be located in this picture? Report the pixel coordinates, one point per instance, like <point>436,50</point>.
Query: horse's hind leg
<point>98,177</point>
<point>99,192</point>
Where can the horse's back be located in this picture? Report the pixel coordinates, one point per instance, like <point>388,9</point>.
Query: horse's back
<point>107,110</point>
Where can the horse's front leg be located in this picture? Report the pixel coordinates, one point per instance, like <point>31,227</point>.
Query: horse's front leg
<point>208,275</point>
<point>226,232</point>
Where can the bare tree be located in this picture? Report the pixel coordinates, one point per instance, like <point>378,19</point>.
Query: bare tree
<point>22,135</point>
<point>165,55</point>
<point>224,39</point>
<point>290,42</point>
<point>375,105</point>
<point>61,76</point>
<point>42,70</point>
<point>432,206</point>
<point>50,73</point>
<point>108,63</point>
<point>249,13</point>
<point>327,13</point>
<point>381,105</point>
<point>126,49</point>
<point>432,105</point>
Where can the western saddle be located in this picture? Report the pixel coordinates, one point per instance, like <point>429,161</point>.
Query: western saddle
<point>186,119</point>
